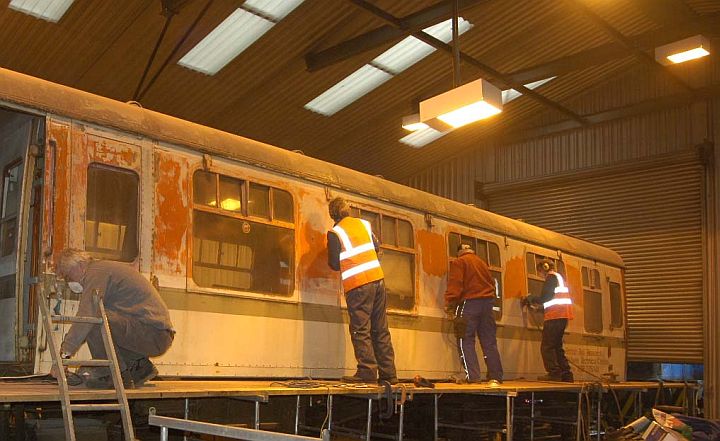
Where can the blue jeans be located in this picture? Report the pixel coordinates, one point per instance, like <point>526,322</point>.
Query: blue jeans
<point>479,316</point>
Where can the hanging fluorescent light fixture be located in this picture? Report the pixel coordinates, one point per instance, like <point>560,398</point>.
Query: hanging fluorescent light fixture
<point>683,50</point>
<point>463,105</point>
<point>48,10</point>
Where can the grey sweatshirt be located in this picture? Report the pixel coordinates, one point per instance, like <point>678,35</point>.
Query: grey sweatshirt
<point>124,292</point>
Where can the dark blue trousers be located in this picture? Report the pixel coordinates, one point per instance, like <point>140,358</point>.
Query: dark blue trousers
<point>480,321</point>
<point>551,348</point>
<point>369,331</point>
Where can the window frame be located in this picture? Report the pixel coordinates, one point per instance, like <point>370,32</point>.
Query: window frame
<point>5,220</point>
<point>138,221</point>
<point>452,255</point>
<point>590,288</point>
<point>356,210</point>
<point>620,304</point>
<point>242,215</point>
<point>559,267</point>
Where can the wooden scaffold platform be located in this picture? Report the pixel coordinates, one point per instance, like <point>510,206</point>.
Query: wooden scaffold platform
<point>518,410</point>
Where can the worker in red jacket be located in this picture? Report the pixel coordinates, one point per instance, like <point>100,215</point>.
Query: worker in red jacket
<point>470,294</point>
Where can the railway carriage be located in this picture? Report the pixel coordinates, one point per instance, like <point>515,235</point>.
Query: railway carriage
<point>233,234</point>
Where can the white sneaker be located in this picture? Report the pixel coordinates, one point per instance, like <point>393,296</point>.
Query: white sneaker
<point>493,383</point>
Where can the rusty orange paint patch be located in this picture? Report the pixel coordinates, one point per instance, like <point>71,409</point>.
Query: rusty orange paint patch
<point>172,217</point>
<point>59,192</point>
<point>433,253</point>
<point>312,246</point>
<point>112,152</point>
<point>515,282</point>
<point>574,281</point>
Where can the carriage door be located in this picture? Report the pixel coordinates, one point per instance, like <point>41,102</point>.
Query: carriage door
<point>104,217</point>
<point>21,164</point>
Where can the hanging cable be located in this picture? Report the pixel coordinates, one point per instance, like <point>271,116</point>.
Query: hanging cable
<point>175,50</point>
<point>169,14</point>
<point>456,44</point>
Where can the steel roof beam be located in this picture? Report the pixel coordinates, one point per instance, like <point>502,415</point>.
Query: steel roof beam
<point>640,54</point>
<point>384,35</point>
<point>490,74</point>
<point>607,52</point>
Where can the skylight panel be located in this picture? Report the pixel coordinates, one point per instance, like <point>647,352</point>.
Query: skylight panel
<point>511,94</point>
<point>422,137</point>
<point>49,10</point>
<point>391,62</point>
<point>411,50</point>
<point>236,33</point>
<point>275,9</point>
<point>348,90</point>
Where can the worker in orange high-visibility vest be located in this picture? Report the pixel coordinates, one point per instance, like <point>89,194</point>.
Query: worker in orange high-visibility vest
<point>556,302</point>
<point>352,249</point>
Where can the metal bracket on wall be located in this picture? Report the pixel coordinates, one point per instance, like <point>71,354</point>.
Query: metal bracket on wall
<point>428,220</point>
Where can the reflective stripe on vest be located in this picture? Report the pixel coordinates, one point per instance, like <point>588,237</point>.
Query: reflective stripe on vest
<point>358,261</point>
<point>560,306</point>
<point>560,289</point>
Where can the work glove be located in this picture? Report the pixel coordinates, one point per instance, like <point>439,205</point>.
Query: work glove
<point>450,310</point>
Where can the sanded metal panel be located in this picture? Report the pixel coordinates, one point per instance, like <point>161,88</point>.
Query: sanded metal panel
<point>652,214</point>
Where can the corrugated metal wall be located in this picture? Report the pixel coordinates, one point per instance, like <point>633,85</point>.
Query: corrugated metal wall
<point>712,302</point>
<point>455,179</point>
<point>651,212</point>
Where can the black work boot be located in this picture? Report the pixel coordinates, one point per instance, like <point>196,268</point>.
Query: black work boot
<point>143,371</point>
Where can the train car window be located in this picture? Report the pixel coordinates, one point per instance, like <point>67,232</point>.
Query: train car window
<point>111,219</point>
<point>595,279</point>
<point>481,249</point>
<point>535,282</point>
<point>530,265</point>
<point>204,192</point>
<point>283,206</point>
<point>399,270</point>
<point>453,244</point>
<point>593,311</point>
<point>592,300</point>
<point>397,258</point>
<point>494,251</point>
<point>259,201</point>
<point>616,316</point>
<point>230,194</point>
<point>374,219</point>
<point>490,253</point>
<point>389,232</point>
<point>10,204</point>
<point>405,234</point>
<point>231,251</point>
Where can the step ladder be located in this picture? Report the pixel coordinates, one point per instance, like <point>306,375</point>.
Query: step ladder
<point>59,363</point>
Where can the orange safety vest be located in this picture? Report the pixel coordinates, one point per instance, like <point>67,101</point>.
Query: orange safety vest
<point>359,263</point>
<point>560,306</point>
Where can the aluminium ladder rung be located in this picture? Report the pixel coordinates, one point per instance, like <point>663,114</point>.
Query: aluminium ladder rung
<point>94,407</point>
<point>73,319</point>
<point>94,363</point>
